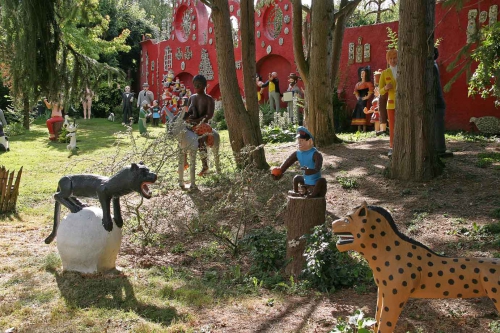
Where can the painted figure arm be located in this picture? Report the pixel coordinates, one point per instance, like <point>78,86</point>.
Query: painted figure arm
<point>318,164</point>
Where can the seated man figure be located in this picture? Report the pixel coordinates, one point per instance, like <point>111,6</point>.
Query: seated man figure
<point>310,184</point>
<point>200,109</point>
<point>56,116</point>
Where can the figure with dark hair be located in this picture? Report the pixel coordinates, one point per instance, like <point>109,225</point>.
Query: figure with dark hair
<point>127,99</point>
<point>363,92</point>
<point>258,81</point>
<point>56,116</point>
<point>440,106</point>
<point>200,109</point>
<point>274,90</point>
<point>310,184</point>
<point>292,91</point>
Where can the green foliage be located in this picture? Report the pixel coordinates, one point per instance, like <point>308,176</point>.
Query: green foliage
<point>54,46</point>
<point>487,159</point>
<point>13,129</point>
<point>392,39</point>
<point>267,249</point>
<point>495,326</point>
<point>109,96</point>
<point>218,120</point>
<point>486,79</point>
<point>347,182</point>
<point>328,269</point>
<point>356,323</point>
<point>266,114</point>
<point>277,134</point>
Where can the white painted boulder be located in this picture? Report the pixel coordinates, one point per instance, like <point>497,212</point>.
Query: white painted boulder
<point>83,243</point>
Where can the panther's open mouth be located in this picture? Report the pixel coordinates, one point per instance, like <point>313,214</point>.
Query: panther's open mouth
<point>344,238</point>
<point>146,192</point>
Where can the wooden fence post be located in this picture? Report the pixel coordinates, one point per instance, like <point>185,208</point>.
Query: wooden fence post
<point>8,191</point>
<point>301,215</point>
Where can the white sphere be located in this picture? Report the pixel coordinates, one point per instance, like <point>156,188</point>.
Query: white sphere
<point>83,243</point>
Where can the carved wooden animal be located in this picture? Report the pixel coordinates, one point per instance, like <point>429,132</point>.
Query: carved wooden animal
<point>404,268</point>
<point>188,143</point>
<point>134,178</point>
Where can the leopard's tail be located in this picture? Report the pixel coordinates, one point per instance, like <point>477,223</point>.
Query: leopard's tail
<point>57,216</point>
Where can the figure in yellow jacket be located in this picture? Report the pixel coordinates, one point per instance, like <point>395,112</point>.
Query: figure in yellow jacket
<point>387,84</point>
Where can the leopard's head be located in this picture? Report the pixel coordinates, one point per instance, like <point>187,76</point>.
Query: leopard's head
<point>365,230</point>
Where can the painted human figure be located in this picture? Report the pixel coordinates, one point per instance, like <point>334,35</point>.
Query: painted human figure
<point>295,90</point>
<point>143,115</point>
<point>88,94</point>
<point>156,113</point>
<point>363,91</point>
<point>375,118</point>
<point>56,116</point>
<point>259,83</point>
<point>200,109</point>
<point>127,100</point>
<point>310,184</point>
<point>440,106</point>
<point>145,95</point>
<point>274,90</point>
<point>388,84</point>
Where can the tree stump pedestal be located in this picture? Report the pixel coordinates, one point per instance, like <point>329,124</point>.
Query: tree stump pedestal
<point>301,215</point>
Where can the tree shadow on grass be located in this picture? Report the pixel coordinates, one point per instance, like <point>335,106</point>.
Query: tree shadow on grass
<point>111,291</point>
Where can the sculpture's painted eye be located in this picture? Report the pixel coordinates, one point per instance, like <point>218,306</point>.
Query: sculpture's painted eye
<point>346,220</point>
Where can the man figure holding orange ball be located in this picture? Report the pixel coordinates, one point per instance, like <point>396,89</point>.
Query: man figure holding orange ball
<point>310,184</point>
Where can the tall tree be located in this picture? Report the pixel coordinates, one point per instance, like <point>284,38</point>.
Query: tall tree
<point>317,70</point>
<point>414,157</point>
<point>243,124</point>
<point>52,46</point>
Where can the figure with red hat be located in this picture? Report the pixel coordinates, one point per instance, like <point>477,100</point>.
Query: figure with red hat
<point>294,91</point>
<point>200,110</point>
<point>274,90</point>
<point>310,184</point>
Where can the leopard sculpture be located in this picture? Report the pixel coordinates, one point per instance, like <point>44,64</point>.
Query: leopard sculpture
<point>404,268</point>
<point>133,178</point>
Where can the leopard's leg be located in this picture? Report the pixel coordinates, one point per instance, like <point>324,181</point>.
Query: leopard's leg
<point>105,201</point>
<point>78,202</point>
<point>378,310</point>
<point>117,214</point>
<point>63,195</point>
<point>393,301</point>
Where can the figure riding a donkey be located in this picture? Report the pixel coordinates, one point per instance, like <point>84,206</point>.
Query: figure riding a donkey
<point>194,133</point>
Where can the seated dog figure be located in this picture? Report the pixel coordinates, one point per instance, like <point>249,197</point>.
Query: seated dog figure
<point>4,140</point>
<point>134,178</point>
<point>111,117</point>
<point>404,268</point>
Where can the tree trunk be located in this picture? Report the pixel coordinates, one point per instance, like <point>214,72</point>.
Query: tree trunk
<point>414,157</point>
<point>242,129</point>
<point>26,112</point>
<point>249,71</point>
<point>316,71</point>
<point>301,215</point>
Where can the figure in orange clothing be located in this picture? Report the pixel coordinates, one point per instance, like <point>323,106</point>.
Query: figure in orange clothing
<point>388,85</point>
<point>363,92</point>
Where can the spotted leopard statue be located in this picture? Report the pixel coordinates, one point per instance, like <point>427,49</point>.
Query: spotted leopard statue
<point>404,268</point>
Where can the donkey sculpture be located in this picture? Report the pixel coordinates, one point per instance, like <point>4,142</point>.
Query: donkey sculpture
<point>188,143</point>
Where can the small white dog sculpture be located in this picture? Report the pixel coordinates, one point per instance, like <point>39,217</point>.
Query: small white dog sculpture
<point>72,135</point>
<point>111,117</point>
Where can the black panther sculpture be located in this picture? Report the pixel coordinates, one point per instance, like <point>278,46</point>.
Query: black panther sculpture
<point>135,177</point>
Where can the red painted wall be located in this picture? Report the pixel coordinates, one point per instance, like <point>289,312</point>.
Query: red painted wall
<point>274,52</point>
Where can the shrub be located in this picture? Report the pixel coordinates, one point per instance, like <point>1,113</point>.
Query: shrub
<point>108,96</point>
<point>218,120</point>
<point>277,134</point>
<point>267,249</point>
<point>328,269</point>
